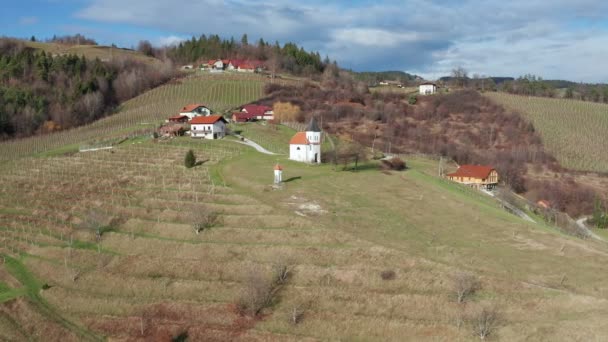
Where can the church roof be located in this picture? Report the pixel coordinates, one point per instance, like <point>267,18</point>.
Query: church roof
<point>312,126</point>
<point>299,139</point>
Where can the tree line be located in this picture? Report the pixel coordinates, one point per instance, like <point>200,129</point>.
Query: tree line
<point>41,93</point>
<point>289,57</point>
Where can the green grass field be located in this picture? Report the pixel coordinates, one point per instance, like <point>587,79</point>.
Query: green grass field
<point>574,131</point>
<point>91,51</point>
<point>152,277</point>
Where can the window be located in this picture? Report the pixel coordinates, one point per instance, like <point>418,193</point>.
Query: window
<point>298,148</point>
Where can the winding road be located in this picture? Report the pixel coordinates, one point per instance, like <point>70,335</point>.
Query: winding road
<point>253,144</point>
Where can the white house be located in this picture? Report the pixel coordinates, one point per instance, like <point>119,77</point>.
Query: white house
<point>208,127</point>
<point>306,146</point>
<point>427,88</point>
<point>194,110</point>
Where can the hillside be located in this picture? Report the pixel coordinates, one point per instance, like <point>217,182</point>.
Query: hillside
<point>104,53</point>
<point>572,130</point>
<point>368,255</point>
<point>145,112</point>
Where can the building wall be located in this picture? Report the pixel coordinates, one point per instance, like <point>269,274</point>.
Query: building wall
<point>305,153</point>
<point>218,128</point>
<point>427,89</point>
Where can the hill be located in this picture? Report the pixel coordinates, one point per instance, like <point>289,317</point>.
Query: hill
<point>128,244</point>
<point>371,77</point>
<point>104,53</point>
<point>572,130</point>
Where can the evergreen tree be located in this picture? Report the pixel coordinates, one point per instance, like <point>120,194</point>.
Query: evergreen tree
<point>190,159</point>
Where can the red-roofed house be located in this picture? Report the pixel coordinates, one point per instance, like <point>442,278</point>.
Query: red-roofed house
<point>208,127</point>
<point>478,176</point>
<point>194,110</point>
<point>242,117</point>
<point>178,118</point>
<point>258,111</point>
<point>306,146</point>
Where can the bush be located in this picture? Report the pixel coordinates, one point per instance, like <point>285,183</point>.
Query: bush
<point>257,294</point>
<point>190,159</point>
<point>484,322</point>
<point>465,285</point>
<point>395,163</point>
<point>412,99</point>
<point>387,275</point>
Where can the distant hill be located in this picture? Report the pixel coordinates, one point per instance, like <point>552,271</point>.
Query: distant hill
<point>104,53</point>
<point>497,80</point>
<point>376,77</point>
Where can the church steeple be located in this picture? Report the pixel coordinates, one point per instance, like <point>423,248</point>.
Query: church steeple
<point>312,126</point>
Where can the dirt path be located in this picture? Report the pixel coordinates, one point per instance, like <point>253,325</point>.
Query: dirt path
<point>254,145</point>
<point>581,223</point>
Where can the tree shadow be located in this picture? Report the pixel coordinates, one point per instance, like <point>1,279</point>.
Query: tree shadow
<point>292,179</point>
<point>201,162</point>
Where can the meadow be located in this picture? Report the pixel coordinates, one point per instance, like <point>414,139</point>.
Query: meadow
<point>574,131</point>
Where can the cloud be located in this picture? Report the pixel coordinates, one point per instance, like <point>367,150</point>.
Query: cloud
<point>170,40</point>
<point>492,37</point>
<point>28,20</point>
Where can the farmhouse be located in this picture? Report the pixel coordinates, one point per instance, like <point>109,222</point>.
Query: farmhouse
<point>178,118</point>
<point>242,117</point>
<point>476,176</point>
<point>306,146</point>
<point>208,127</point>
<point>194,110</point>
<point>258,111</point>
<point>171,130</point>
<point>427,88</point>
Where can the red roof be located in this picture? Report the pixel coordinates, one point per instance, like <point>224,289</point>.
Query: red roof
<point>472,171</point>
<point>178,117</point>
<point>211,119</point>
<point>256,110</point>
<point>299,139</point>
<point>242,117</point>
<point>189,108</point>
<point>278,167</point>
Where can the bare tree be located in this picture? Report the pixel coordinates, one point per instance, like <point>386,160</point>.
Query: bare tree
<point>460,75</point>
<point>203,218</point>
<point>465,284</point>
<point>257,294</point>
<point>484,322</point>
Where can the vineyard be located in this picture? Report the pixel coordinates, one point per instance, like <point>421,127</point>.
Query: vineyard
<point>144,113</point>
<point>574,131</point>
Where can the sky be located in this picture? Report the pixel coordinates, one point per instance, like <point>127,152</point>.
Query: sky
<point>555,39</point>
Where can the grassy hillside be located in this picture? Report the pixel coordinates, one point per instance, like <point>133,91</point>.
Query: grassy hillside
<point>151,276</point>
<point>145,112</point>
<point>574,131</point>
<point>91,51</point>
<point>370,255</point>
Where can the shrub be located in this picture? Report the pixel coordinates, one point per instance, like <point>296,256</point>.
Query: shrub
<point>203,218</point>
<point>465,285</point>
<point>395,163</point>
<point>190,159</point>
<point>412,99</point>
<point>484,322</point>
<point>257,294</point>
<point>387,275</point>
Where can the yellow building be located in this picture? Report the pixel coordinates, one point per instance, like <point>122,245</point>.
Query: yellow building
<point>477,176</point>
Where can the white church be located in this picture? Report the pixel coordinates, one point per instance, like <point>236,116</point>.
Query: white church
<point>306,146</point>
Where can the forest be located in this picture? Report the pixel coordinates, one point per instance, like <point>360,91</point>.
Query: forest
<point>289,58</point>
<point>41,93</point>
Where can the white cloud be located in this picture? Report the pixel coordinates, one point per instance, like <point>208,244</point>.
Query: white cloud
<point>430,37</point>
<point>170,40</point>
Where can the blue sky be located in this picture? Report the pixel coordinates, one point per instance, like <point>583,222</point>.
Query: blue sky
<point>556,39</point>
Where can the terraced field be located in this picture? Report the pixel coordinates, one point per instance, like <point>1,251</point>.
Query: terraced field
<point>149,276</point>
<point>574,131</point>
